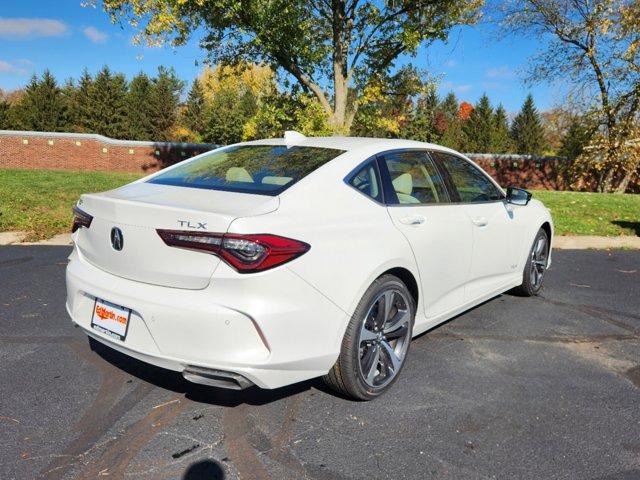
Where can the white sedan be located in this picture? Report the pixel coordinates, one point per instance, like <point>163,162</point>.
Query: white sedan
<point>271,262</point>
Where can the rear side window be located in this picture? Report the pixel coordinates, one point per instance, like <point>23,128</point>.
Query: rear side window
<point>471,184</point>
<point>414,178</point>
<point>261,169</point>
<point>366,181</point>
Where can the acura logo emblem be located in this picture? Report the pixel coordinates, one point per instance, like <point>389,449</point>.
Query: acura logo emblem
<point>117,240</point>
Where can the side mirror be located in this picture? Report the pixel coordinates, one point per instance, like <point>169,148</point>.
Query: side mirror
<point>518,196</point>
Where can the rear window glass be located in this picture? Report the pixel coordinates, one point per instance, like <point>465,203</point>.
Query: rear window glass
<point>261,169</point>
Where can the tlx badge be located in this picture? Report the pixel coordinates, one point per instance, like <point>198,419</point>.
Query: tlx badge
<point>196,225</point>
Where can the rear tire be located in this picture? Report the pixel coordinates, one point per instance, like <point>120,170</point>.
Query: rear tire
<point>536,266</point>
<point>376,342</point>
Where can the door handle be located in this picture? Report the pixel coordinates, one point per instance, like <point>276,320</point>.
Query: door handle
<point>480,222</point>
<point>412,220</point>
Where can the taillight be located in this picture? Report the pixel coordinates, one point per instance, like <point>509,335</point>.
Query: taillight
<point>80,219</point>
<point>245,253</point>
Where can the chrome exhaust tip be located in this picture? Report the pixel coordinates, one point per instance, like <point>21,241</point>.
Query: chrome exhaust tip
<point>216,378</point>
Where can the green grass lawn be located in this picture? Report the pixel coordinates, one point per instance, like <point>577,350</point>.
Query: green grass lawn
<point>583,213</point>
<point>39,202</point>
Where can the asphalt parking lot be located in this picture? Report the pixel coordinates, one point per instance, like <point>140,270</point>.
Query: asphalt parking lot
<point>545,387</point>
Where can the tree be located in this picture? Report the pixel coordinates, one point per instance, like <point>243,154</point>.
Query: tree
<point>448,122</point>
<point>43,107</point>
<point>232,98</point>
<point>4,113</point>
<point>193,114</point>
<point>227,115</point>
<point>332,49</point>
<point>577,137</point>
<point>422,124</point>
<point>163,103</point>
<point>139,113</point>
<point>500,139</point>
<point>527,132</point>
<point>108,105</point>
<point>478,128</point>
<point>83,108</point>
<point>595,44</point>
<point>386,106</point>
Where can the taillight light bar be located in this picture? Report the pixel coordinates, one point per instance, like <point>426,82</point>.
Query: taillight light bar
<point>80,219</point>
<point>246,253</point>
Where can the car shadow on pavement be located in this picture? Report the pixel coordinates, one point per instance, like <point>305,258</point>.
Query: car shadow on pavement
<point>204,469</point>
<point>173,381</point>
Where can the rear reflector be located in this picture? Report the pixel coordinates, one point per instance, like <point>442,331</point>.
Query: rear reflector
<point>245,253</point>
<point>80,219</point>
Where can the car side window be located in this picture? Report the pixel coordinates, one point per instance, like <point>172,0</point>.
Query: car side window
<point>471,184</point>
<point>414,178</point>
<point>366,181</point>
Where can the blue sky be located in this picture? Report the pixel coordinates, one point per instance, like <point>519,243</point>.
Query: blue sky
<point>65,37</point>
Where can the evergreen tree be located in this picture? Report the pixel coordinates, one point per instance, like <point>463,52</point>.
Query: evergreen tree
<point>164,99</point>
<point>109,104</point>
<point>4,114</point>
<point>69,99</point>
<point>227,115</point>
<point>500,139</point>
<point>82,117</point>
<point>421,127</point>
<point>193,115</point>
<point>448,122</point>
<point>527,131</point>
<point>478,128</point>
<point>42,108</point>
<point>140,114</point>
<point>577,137</point>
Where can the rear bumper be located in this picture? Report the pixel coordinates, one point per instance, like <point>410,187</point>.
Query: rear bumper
<point>272,328</point>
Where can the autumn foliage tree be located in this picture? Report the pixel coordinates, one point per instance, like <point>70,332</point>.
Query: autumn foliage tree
<point>595,44</point>
<point>333,49</point>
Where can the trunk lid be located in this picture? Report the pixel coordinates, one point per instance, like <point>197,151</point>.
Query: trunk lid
<point>138,209</point>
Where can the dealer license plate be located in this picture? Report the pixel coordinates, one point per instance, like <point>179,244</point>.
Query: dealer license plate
<point>110,319</point>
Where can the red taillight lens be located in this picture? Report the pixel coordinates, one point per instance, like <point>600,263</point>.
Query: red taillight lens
<point>245,253</point>
<point>80,219</point>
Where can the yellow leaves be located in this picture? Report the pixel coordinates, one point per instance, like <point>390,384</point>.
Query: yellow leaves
<point>249,130</point>
<point>257,79</point>
<point>391,125</point>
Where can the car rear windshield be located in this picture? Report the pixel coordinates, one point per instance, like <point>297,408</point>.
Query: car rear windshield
<point>261,169</point>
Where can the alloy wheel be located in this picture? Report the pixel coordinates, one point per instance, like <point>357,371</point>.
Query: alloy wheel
<point>384,338</point>
<point>539,258</point>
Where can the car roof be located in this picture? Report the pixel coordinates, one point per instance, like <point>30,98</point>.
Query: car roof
<point>350,143</point>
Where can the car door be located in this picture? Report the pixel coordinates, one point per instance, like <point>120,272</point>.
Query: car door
<point>498,227</point>
<point>438,231</point>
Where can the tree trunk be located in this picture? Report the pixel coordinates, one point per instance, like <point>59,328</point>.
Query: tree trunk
<point>624,184</point>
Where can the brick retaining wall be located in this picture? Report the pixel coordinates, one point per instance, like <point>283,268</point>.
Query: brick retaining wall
<point>72,151</point>
<point>69,151</point>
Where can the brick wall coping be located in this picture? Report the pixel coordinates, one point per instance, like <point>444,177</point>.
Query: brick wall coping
<point>139,143</point>
<point>511,156</point>
<point>103,139</point>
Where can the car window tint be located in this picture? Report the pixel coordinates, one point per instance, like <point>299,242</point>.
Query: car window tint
<point>262,169</point>
<point>414,178</point>
<point>470,182</point>
<point>366,180</point>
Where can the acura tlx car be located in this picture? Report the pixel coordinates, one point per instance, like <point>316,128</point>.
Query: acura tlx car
<point>271,262</point>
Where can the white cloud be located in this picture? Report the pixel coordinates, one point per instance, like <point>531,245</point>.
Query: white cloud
<point>95,35</point>
<point>450,86</point>
<point>6,67</point>
<point>450,63</point>
<point>500,72</point>
<point>13,28</point>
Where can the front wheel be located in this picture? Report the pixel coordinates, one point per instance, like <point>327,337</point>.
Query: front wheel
<point>376,342</point>
<point>536,265</point>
